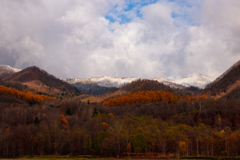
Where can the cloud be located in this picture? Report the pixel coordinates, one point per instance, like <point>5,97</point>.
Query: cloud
<point>170,39</point>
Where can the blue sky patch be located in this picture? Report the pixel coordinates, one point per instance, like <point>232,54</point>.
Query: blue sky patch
<point>130,6</point>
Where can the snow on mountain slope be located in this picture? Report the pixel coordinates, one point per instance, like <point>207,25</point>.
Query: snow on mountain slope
<point>105,81</point>
<point>168,83</point>
<point>8,69</point>
<point>108,81</point>
<point>199,81</point>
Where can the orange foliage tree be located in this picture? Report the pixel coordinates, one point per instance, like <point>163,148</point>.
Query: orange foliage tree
<point>104,124</point>
<point>141,97</point>
<point>147,96</point>
<point>63,120</point>
<point>111,115</point>
<point>24,95</point>
<point>7,130</point>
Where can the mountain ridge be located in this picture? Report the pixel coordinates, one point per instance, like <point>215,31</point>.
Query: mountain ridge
<point>40,80</point>
<point>227,85</point>
<point>108,81</point>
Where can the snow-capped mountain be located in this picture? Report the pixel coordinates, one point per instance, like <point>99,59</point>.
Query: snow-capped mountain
<point>199,81</point>
<point>105,81</point>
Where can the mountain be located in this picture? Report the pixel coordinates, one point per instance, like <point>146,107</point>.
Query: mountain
<point>226,85</point>
<point>34,76</point>
<point>93,88</point>
<point>145,85</point>
<point>99,85</point>
<point>6,70</point>
<point>199,81</point>
<point>38,79</point>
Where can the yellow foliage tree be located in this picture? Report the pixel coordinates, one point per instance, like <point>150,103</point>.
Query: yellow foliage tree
<point>183,147</point>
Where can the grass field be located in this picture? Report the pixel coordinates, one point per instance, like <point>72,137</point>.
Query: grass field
<point>52,157</point>
<point>65,158</point>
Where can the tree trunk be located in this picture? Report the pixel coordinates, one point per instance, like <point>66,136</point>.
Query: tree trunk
<point>212,149</point>
<point>164,148</point>
<point>197,148</point>
<point>207,150</point>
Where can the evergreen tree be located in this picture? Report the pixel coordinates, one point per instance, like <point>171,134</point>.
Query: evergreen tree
<point>68,112</point>
<point>95,112</point>
<point>36,121</point>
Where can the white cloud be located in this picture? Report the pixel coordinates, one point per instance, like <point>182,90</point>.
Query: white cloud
<point>74,39</point>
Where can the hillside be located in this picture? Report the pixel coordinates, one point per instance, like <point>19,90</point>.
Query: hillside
<point>93,88</point>
<point>226,85</point>
<point>40,80</point>
<point>144,85</point>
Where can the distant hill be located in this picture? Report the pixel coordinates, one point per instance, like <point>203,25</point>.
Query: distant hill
<point>150,85</point>
<point>227,85</point>
<point>40,80</point>
<point>93,88</point>
<point>145,84</point>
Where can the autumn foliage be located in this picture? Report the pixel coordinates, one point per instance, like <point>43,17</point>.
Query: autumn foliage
<point>63,120</point>
<point>104,124</point>
<point>148,96</point>
<point>24,95</point>
<point>7,130</point>
<point>141,97</point>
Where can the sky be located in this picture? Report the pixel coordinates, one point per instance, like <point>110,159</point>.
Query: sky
<point>121,38</point>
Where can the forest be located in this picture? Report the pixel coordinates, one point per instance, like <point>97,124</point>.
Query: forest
<point>138,124</point>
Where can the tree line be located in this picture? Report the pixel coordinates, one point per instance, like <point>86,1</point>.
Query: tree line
<point>111,136</point>
<point>188,126</point>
